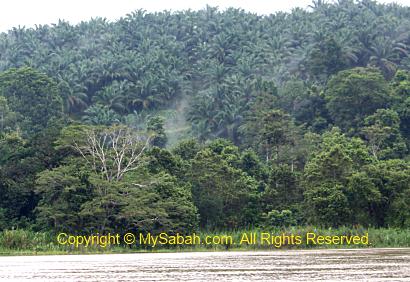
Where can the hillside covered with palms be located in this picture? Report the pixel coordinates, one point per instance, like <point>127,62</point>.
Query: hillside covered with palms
<point>211,119</point>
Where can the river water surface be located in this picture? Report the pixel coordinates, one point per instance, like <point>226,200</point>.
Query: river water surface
<point>281,265</point>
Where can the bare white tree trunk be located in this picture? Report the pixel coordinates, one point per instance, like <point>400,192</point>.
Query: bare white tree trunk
<point>113,151</point>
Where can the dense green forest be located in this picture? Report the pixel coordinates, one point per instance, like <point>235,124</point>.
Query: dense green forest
<point>208,120</point>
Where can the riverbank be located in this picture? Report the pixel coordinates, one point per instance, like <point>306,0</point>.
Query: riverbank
<point>24,242</point>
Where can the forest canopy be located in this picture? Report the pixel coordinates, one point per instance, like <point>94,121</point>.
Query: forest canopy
<point>208,119</point>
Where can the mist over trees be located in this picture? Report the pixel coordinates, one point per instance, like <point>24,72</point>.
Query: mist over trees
<point>208,119</point>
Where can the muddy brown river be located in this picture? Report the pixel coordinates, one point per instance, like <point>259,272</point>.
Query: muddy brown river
<point>325,265</point>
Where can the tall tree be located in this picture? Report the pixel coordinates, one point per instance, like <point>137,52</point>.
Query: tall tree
<point>111,152</point>
<point>33,96</point>
<point>354,94</point>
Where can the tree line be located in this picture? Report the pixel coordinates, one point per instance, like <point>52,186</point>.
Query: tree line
<point>208,119</point>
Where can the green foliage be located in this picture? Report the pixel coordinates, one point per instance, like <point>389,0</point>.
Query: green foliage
<point>222,193</point>
<point>10,145</point>
<point>62,192</point>
<point>262,100</point>
<point>286,183</point>
<point>328,204</point>
<point>7,117</point>
<point>20,239</point>
<point>327,175</point>
<point>382,131</point>
<point>100,115</point>
<point>345,185</point>
<point>33,96</point>
<point>391,177</point>
<point>354,94</point>
<point>74,198</point>
<point>21,160</point>
<point>161,160</point>
<point>156,125</point>
<point>277,132</point>
<point>251,164</point>
<point>280,218</point>
<point>187,149</point>
<point>401,86</point>
<point>44,243</point>
<point>83,130</point>
<point>326,58</point>
<point>364,198</point>
<point>310,110</point>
